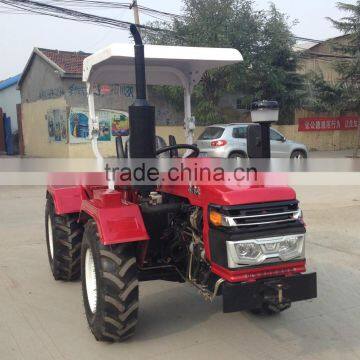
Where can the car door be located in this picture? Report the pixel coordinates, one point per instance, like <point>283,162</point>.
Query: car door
<point>279,147</point>
<point>239,135</point>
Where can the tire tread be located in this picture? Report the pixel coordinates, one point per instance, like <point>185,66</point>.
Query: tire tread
<point>67,236</point>
<point>119,294</point>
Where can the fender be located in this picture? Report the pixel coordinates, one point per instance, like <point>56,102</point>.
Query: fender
<point>118,220</point>
<point>68,199</point>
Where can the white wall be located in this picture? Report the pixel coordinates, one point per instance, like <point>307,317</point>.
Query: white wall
<point>9,97</point>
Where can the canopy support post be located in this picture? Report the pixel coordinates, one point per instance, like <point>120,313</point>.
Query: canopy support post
<point>189,120</point>
<point>93,122</point>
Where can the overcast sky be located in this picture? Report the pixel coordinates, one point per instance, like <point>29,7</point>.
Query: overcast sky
<point>19,34</point>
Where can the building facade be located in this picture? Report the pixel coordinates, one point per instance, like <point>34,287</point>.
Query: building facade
<point>54,107</point>
<point>321,57</point>
<point>9,98</point>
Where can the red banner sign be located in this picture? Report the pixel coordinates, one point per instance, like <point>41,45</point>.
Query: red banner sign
<point>329,124</point>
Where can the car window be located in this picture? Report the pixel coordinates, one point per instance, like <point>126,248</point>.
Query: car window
<point>212,133</point>
<point>240,132</point>
<point>274,135</point>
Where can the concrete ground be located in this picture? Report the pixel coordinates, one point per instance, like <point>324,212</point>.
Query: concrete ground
<point>331,154</point>
<point>44,319</point>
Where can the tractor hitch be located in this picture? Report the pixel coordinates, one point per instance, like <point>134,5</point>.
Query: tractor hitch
<point>276,293</point>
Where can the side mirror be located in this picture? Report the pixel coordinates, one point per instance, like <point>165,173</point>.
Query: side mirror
<point>283,139</point>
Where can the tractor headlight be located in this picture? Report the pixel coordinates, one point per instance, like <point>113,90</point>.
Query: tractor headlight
<point>291,247</point>
<point>258,251</point>
<point>299,215</point>
<point>248,250</point>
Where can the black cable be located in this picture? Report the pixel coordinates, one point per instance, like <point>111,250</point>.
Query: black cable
<point>144,8</point>
<point>69,14</point>
<point>46,8</point>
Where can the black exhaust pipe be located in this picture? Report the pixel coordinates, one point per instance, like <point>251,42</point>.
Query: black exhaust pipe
<point>141,114</point>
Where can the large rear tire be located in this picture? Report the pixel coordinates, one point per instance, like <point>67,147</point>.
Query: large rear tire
<point>63,239</point>
<point>110,287</point>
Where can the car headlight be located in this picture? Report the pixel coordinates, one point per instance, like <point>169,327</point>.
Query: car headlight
<point>258,251</point>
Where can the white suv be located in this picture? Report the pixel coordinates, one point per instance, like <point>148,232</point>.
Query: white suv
<point>229,141</point>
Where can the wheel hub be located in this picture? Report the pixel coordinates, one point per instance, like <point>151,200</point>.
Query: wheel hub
<point>90,280</point>
<point>51,238</point>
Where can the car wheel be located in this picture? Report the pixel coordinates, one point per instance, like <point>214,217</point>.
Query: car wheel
<point>299,155</point>
<point>238,155</point>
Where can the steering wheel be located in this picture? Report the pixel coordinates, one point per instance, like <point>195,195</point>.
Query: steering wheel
<point>194,148</point>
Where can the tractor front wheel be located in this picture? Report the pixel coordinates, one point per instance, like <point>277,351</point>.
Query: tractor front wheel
<point>110,287</point>
<point>63,239</point>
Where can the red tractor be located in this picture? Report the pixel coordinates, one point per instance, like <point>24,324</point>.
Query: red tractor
<point>246,244</point>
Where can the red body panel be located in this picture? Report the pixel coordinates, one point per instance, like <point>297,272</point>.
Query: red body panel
<point>118,220</point>
<point>68,199</point>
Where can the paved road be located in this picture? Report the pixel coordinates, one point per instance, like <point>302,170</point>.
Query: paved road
<point>331,154</point>
<point>43,319</point>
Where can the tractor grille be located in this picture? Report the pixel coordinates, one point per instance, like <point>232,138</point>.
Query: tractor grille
<point>261,215</point>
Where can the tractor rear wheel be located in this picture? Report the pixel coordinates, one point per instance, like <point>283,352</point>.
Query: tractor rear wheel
<point>110,287</point>
<point>63,239</point>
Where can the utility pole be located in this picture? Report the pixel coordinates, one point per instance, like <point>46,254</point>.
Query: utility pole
<point>135,7</point>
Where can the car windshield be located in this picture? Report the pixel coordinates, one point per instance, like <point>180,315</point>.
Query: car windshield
<point>212,133</point>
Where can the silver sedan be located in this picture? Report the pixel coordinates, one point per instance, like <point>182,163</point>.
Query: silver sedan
<point>230,141</point>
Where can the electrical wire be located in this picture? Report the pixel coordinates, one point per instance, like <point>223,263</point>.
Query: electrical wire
<point>50,9</point>
<point>158,12</point>
<point>42,8</point>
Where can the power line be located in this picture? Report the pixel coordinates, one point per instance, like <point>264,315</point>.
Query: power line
<point>158,12</point>
<point>49,8</point>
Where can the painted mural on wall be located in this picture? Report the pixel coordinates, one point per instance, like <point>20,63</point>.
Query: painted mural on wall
<point>120,124</point>
<point>112,123</point>
<point>104,126</point>
<point>78,126</point>
<point>57,125</point>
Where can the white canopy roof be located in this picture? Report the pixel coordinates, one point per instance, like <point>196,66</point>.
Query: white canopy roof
<point>165,65</point>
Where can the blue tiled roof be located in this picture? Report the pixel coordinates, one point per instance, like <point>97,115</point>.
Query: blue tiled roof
<point>9,82</point>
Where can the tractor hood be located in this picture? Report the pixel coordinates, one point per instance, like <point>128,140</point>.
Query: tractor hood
<point>242,195</point>
<point>231,194</point>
